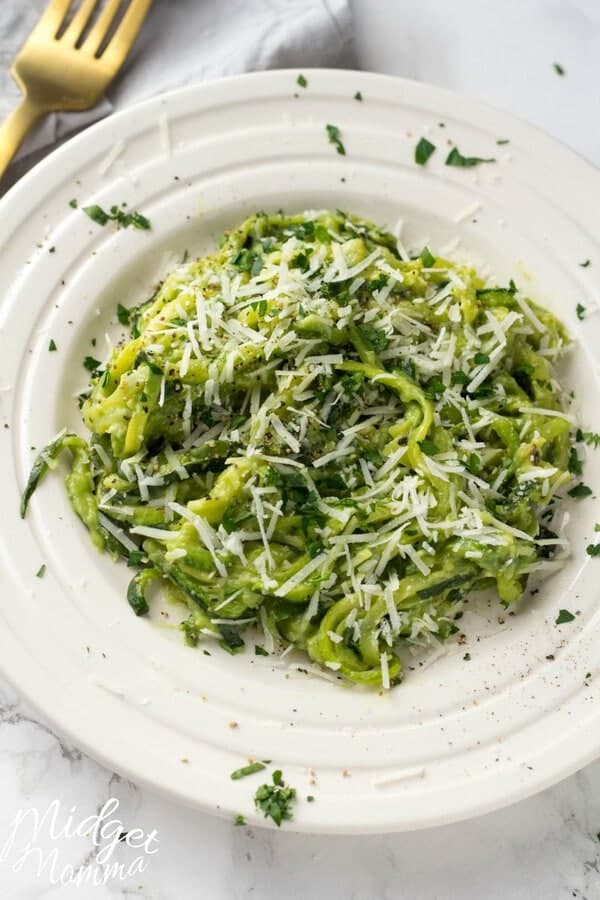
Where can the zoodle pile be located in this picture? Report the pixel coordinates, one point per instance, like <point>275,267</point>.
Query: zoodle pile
<point>312,435</point>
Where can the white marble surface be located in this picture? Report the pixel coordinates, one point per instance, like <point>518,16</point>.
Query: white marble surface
<point>545,847</point>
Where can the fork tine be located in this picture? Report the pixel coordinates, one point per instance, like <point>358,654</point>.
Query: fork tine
<point>52,18</point>
<point>94,40</point>
<point>123,38</point>
<point>77,24</point>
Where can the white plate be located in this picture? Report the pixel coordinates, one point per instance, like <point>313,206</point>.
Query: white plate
<point>457,738</point>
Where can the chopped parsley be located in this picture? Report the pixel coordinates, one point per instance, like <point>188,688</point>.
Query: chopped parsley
<point>575,466</point>
<point>73,203</point>
<point>502,141</point>
<point>260,651</point>
<point>585,263</point>
<point>564,616</point>
<point>428,447</point>
<point>91,364</point>
<point>358,96</point>
<point>123,314</point>
<point>558,68</point>
<point>239,820</point>
<point>52,345</point>
<point>427,258</point>
<point>455,158</point>
<point>589,437</point>
<point>593,549</point>
<point>247,770</point>
<point>423,151</point>
<point>580,310</point>
<point>301,80</point>
<point>275,800</point>
<point>579,491</point>
<point>135,558</point>
<point>480,359</point>
<point>124,219</point>
<point>41,571</point>
<point>467,657</point>
<point>334,135</point>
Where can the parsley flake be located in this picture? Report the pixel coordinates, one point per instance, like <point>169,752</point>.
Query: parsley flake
<point>502,141</point>
<point>123,314</point>
<point>334,135</point>
<point>564,616</point>
<point>247,770</point>
<point>428,447</point>
<point>427,258</point>
<point>455,158</point>
<point>580,310</point>
<point>558,68</point>
<point>239,820</point>
<point>101,217</point>
<point>423,151</point>
<point>593,549</point>
<point>41,571</point>
<point>275,800</point>
<point>301,80</point>
<point>260,651</point>
<point>590,438</point>
<point>580,490</point>
<point>358,96</point>
<point>52,345</point>
<point>91,364</point>
<point>585,263</point>
<point>480,359</point>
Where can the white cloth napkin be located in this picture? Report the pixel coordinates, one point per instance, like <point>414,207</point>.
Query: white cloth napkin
<point>187,41</point>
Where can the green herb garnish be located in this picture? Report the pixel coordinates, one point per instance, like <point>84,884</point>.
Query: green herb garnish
<point>558,68</point>
<point>589,437</point>
<point>580,490</point>
<point>580,310</point>
<point>564,616</point>
<point>52,345</point>
<point>41,571</point>
<point>124,219</point>
<point>423,151</point>
<point>481,359</point>
<point>275,800</point>
<point>334,135</point>
<point>91,364</point>
<point>427,258</point>
<point>239,820</point>
<point>358,96</point>
<point>428,447</point>
<point>585,263</point>
<point>247,770</point>
<point>301,80</point>
<point>455,158</point>
<point>123,314</point>
<point>593,549</point>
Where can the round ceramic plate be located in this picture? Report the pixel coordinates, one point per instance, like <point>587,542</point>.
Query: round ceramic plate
<point>460,736</point>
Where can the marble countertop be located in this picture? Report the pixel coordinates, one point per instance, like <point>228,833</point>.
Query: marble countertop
<point>547,846</point>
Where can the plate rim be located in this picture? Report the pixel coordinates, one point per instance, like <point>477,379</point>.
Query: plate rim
<point>12,200</point>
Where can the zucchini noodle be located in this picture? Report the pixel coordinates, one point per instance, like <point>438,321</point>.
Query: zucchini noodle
<point>307,434</point>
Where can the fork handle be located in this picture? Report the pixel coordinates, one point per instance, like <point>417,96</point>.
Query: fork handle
<point>14,129</point>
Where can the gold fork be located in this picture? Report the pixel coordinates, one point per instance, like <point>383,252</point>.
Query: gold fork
<point>66,72</point>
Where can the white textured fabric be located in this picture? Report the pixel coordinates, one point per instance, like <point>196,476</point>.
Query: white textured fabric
<point>187,41</point>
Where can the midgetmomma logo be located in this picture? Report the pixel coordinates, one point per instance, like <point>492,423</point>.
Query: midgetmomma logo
<point>30,828</point>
